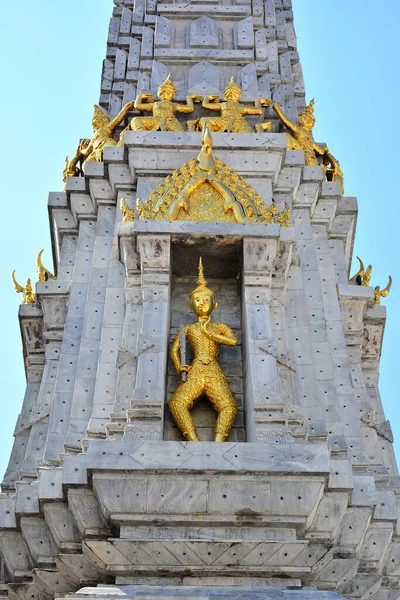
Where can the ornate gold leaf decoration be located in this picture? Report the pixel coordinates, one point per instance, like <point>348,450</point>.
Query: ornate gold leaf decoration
<point>206,190</point>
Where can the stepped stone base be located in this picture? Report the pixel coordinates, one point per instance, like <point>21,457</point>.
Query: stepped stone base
<point>203,592</point>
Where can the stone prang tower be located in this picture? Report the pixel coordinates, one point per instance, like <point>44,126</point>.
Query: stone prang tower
<point>202,148</point>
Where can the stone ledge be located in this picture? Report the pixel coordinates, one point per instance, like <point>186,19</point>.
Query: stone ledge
<point>204,592</point>
<point>187,139</point>
<point>186,228</point>
<point>132,454</point>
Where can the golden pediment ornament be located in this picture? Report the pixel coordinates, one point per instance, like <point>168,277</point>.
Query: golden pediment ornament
<point>206,189</point>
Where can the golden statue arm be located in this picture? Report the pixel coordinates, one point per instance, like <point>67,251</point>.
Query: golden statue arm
<point>320,150</point>
<point>225,335</point>
<point>175,357</point>
<point>289,124</point>
<point>252,110</point>
<point>148,105</point>
<point>121,115</point>
<point>213,105</point>
<point>189,106</point>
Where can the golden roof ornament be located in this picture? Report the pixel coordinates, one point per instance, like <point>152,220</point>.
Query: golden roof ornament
<point>378,293</point>
<point>206,189</point>
<point>43,273</point>
<point>28,295</point>
<point>206,159</point>
<point>128,214</point>
<point>363,275</point>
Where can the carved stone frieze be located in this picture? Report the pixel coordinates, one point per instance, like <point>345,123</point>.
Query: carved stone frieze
<point>154,252</point>
<point>259,255</point>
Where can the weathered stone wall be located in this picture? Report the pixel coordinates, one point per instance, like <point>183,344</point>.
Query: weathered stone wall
<point>94,492</point>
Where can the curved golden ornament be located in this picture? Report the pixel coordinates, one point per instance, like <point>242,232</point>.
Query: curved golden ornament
<point>43,273</point>
<point>28,295</point>
<point>378,293</point>
<point>283,217</point>
<point>363,276</point>
<point>128,214</point>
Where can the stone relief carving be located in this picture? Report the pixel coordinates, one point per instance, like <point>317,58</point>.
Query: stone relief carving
<point>259,255</point>
<point>154,252</point>
<point>372,341</point>
<point>371,418</point>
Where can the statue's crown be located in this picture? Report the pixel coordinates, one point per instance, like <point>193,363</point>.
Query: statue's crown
<point>309,110</point>
<point>201,282</point>
<point>167,85</point>
<point>98,113</point>
<point>233,87</point>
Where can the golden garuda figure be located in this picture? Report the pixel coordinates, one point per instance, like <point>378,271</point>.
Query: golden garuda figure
<point>204,375</point>
<point>301,138</point>
<point>233,113</point>
<point>163,110</point>
<point>103,132</point>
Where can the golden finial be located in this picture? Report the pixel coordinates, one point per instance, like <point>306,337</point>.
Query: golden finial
<point>28,296</point>
<point>201,281</point>
<point>167,86</point>
<point>283,217</point>
<point>378,293</point>
<point>43,273</point>
<point>128,213</point>
<point>206,159</point>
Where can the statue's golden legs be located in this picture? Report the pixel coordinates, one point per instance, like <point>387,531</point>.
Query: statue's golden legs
<point>217,389</point>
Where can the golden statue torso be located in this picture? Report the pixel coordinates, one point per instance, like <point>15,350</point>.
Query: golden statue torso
<point>302,139</point>
<point>164,109</point>
<point>205,349</point>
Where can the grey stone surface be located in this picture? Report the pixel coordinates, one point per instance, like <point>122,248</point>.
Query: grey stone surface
<point>98,485</point>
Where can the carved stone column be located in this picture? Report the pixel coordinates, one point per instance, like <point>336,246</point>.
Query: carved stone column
<point>127,354</point>
<point>147,408</point>
<point>259,348</point>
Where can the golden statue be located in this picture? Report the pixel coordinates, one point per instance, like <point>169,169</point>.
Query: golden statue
<point>378,293</point>
<point>92,150</point>
<point>43,273</point>
<point>204,375</point>
<point>164,110</point>
<point>128,214</point>
<point>363,276</point>
<point>232,112</point>
<point>28,295</point>
<point>283,217</point>
<point>300,136</point>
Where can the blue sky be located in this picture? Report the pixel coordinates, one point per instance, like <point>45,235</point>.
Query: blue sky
<point>52,54</point>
